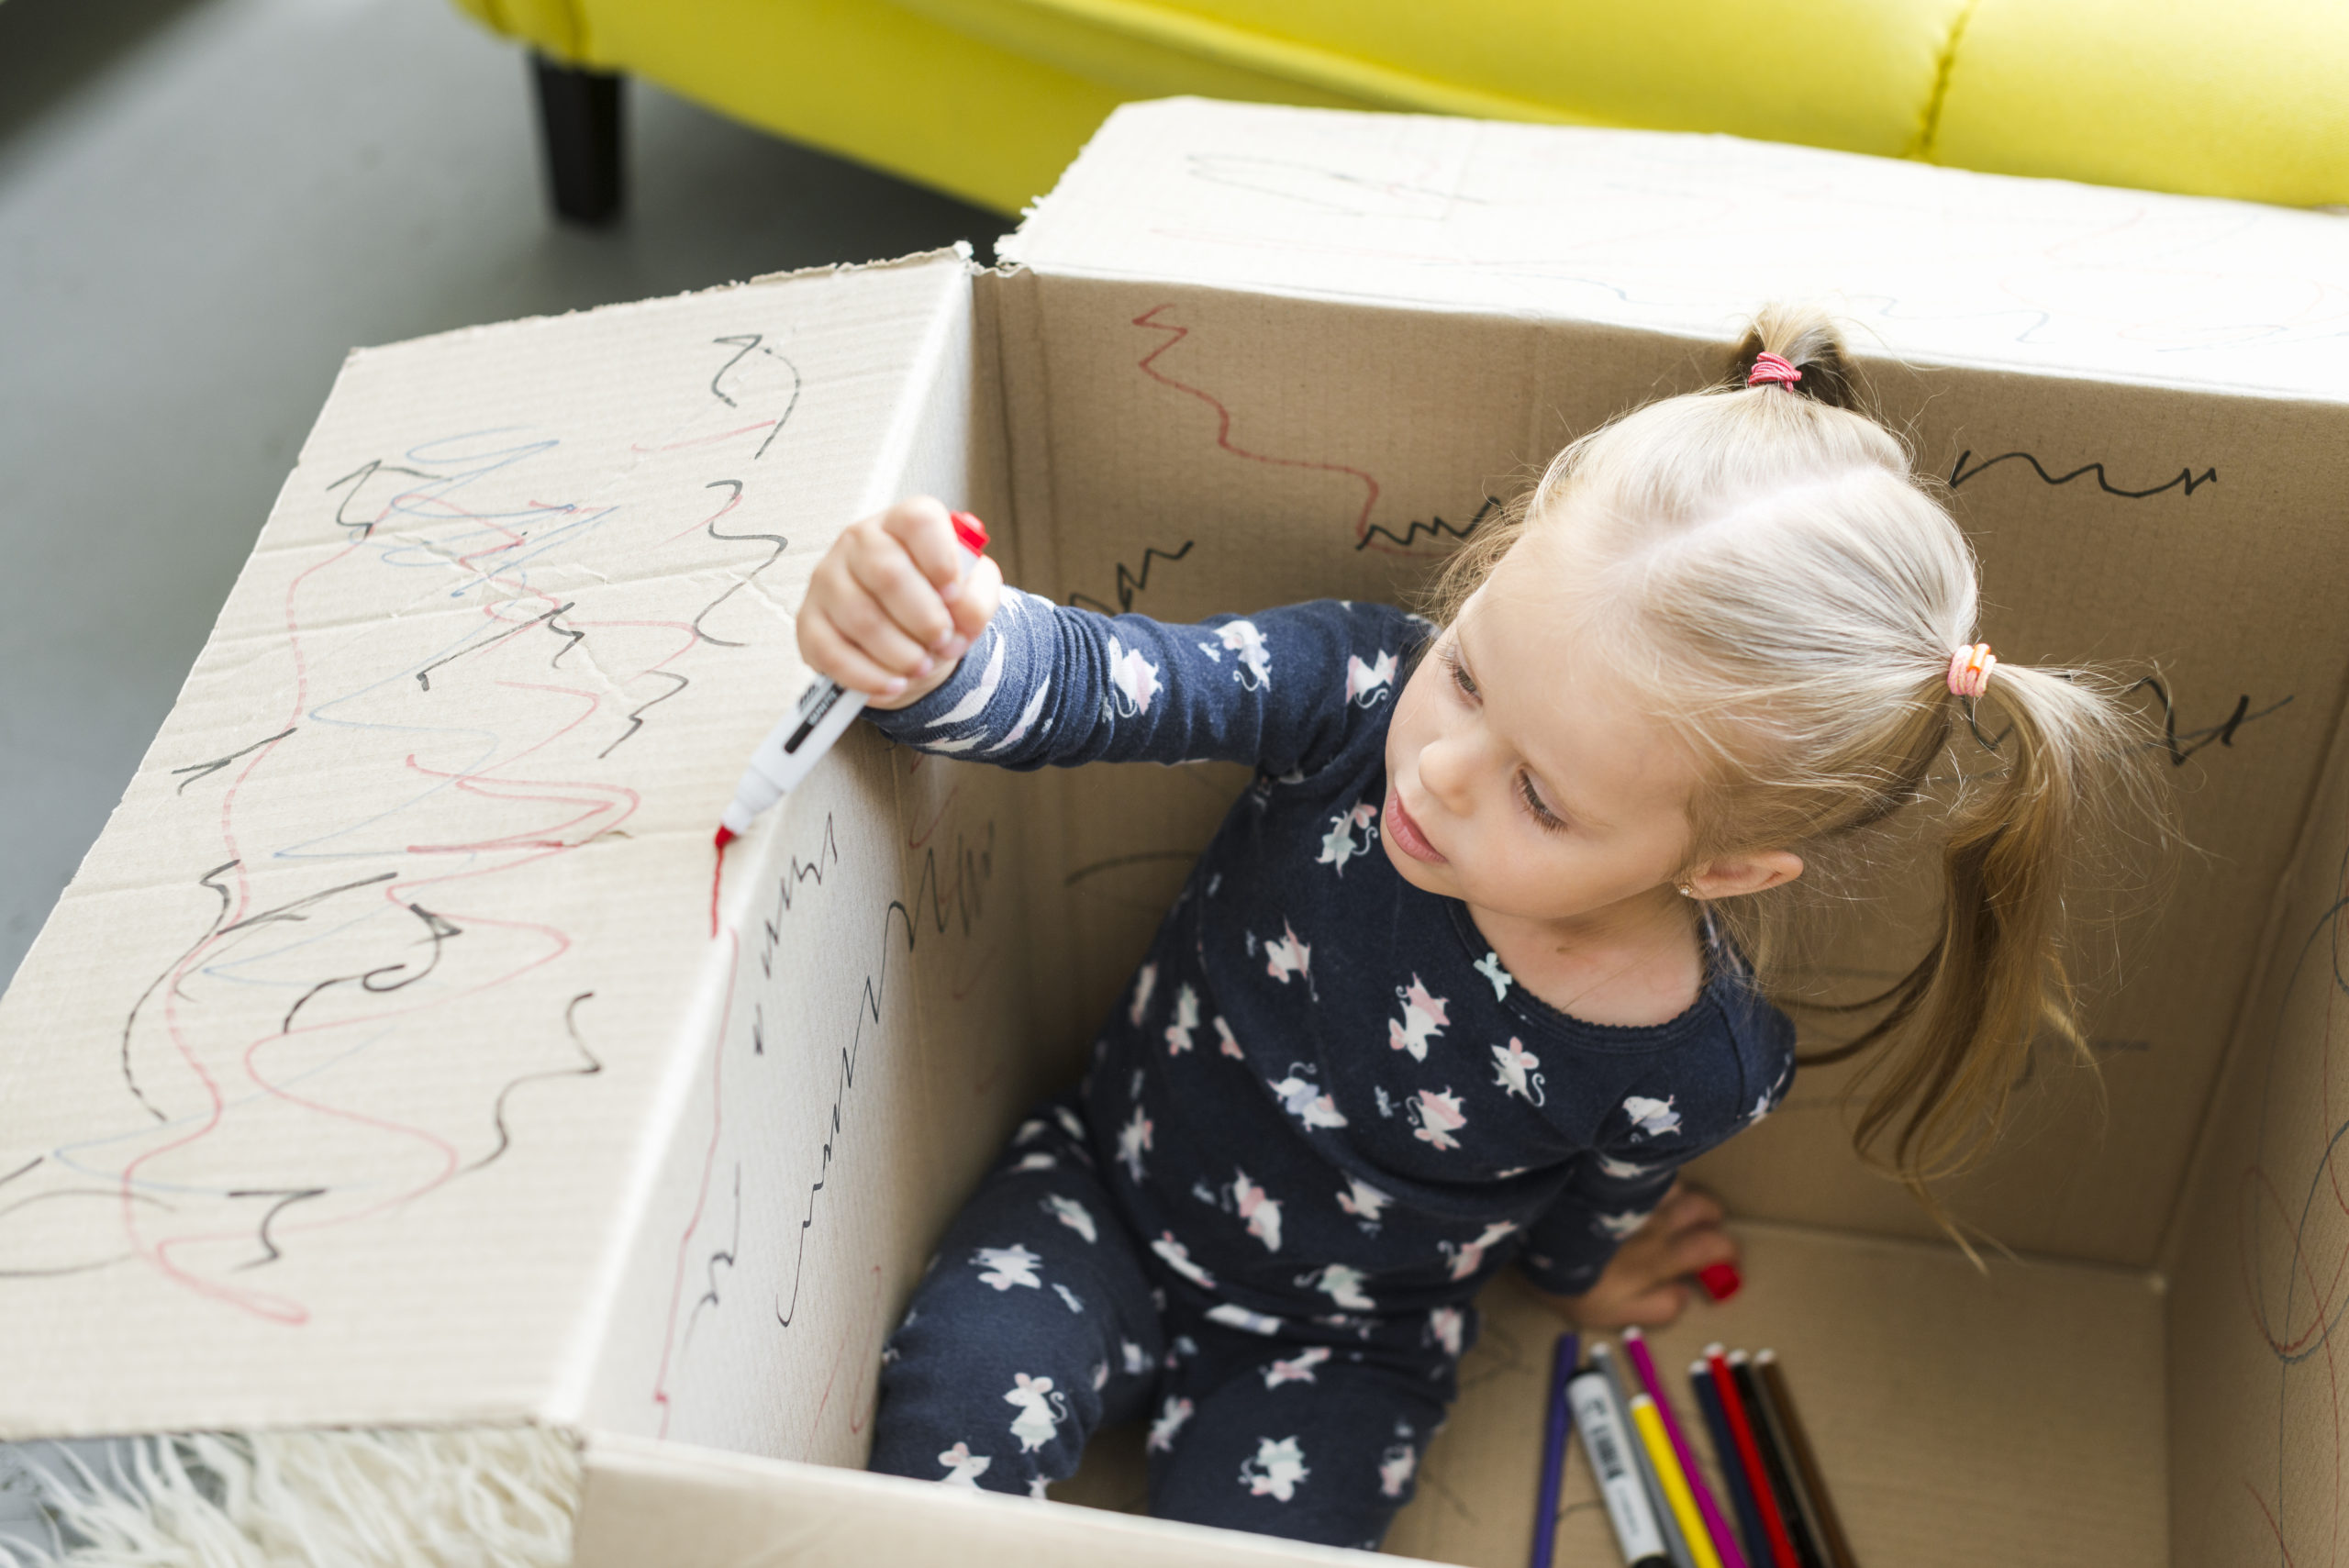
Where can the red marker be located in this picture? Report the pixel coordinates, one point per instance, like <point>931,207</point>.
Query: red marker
<point>1720,1280</point>
<point>814,722</point>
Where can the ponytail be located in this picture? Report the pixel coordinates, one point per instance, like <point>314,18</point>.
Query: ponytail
<point>2076,772</point>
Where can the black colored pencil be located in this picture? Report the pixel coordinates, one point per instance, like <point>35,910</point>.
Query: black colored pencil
<point>1740,1496</point>
<point>1773,1462</point>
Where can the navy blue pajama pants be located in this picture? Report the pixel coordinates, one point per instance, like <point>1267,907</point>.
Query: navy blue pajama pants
<point>1043,1319</point>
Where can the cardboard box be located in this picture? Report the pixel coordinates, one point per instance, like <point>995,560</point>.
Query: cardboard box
<point>381,1068</point>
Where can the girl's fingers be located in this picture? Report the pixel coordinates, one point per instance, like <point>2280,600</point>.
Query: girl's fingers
<point>879,638</point>
<point>921,526</point>
<point>890,579</point>
<point>821,644</point>
<point>976,604</point>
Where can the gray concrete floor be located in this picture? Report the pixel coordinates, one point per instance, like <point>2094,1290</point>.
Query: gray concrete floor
<point>203,204</point>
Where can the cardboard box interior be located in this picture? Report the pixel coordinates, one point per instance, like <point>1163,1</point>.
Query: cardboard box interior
<point>396,1060</point>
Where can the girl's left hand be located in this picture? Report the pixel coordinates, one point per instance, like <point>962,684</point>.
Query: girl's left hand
<point>1647,1281</point>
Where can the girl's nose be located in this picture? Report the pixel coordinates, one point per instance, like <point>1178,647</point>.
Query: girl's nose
<point>1446,767</point>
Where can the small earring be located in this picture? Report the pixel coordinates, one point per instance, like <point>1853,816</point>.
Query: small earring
<point>1687,891</point>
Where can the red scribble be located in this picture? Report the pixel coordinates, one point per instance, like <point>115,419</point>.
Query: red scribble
<point>1149,367</point>
<point>918,840</point>
<point>840,1354</point>
<point>700,441</point>
<point>718,874</point>
<point>708,1163</point>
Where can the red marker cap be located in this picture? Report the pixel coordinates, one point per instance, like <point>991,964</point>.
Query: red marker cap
<point>1720,1280</point>
<point>970,532</point>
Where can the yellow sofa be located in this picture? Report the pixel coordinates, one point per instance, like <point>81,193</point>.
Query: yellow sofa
<point>988,99</point>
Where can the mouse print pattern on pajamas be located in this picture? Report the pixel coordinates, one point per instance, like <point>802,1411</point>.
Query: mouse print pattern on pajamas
<point>1323,1113</point>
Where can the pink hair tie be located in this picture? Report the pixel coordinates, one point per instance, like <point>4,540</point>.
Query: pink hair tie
<point>1768,368</point>
<point>1969,669</point>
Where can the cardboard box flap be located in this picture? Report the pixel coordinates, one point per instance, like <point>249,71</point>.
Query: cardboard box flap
<point>1633,227</point>
<point>336,1087</point>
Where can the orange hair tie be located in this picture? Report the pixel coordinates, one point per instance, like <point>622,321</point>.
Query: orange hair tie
<point>1969,669</point>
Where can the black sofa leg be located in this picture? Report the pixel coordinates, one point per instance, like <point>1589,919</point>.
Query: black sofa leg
<point>579,119</point>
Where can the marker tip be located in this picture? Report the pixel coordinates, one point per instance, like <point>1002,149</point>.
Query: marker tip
<point>725,837</point>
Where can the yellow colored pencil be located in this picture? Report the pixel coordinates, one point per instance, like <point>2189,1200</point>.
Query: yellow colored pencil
<point>1676,1494</point>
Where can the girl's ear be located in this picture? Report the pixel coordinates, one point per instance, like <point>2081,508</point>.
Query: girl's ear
<point>1751,872</point>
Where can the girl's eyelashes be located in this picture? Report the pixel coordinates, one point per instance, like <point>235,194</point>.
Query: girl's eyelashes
<point>1550,820</point>
<point>1459,676</point>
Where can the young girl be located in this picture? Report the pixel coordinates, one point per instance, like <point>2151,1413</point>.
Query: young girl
<point>1454,985</point>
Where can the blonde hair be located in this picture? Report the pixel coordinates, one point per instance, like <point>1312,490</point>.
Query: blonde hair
<point>1761,563</point>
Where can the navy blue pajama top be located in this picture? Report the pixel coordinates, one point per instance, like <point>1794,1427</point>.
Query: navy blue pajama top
<point>1323,1095</point>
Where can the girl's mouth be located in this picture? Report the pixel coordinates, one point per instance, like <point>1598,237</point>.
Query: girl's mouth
<point>1405,834</point>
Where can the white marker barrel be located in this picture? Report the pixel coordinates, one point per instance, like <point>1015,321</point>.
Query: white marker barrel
<point>1605,1434</point>
<point>826,708</point>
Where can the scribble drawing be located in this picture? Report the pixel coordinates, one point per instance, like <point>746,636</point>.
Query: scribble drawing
<point>2294,1247</point>
<point>1148,365</point>
<point>1130,581</point>
<point>1435,529</point>
<point>465,653</point>
<point>1959,474</point>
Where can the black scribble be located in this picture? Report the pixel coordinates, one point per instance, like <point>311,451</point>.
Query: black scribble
<point>437,931</point>
<point>726,1255</point>
<point>292,911</point>
<point>786,889</point>
<point>498,1111</point>
<point>2181,747</point>
<point>206,769</point>
<point>973,867</point>
<point>777,540</point>
<point>357,479</point>
<point>286,1199</point>
<point>1959,474</point>
<point>745,346</point>
<point>424,676</point>
<point>109,1194</point>
<point>575,637</point>
<point>1131,583</point>
<point>1437,528</point>
<point>1143,857</point>
<point>636,715</point>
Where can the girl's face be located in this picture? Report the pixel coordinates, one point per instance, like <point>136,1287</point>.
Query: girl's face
<point>1523,777</point>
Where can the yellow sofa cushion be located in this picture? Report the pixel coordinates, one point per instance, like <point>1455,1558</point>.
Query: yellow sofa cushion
<point>990,98</point>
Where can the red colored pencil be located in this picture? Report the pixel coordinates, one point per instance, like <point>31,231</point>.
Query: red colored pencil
<point>1749,1454</point>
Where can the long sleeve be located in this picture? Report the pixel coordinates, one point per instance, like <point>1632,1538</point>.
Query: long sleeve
<point>1616,1185</point>
<point>1046,684</point>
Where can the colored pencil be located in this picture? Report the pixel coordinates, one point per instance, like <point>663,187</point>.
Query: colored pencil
<point>1675,1545</point>
<point>1749,1455</point>
<point>1555,1435</point>
<point>1668,1475</point>
<point>1774,1462</point>
<point>1782,1406</point>
<point>1724,1540</point>
<point>1740,1496</point>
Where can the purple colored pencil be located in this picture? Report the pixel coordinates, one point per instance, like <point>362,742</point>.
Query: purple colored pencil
<point>1554,1449</point>
<point>1724,1538</point>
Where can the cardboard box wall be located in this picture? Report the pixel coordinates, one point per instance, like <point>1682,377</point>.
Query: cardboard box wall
<point>389,1072</point>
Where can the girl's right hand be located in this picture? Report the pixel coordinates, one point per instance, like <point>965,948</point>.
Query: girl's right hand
<point>888,611</point>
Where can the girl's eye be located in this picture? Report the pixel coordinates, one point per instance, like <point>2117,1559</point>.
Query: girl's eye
<point>1549,819</point>
<point>1459,676</point>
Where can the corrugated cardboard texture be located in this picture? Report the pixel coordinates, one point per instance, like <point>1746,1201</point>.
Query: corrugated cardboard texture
<point>1234,417</point>
<point>363,1074</point>
<point>2255,1379</point>
<point>1959,1420</point>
